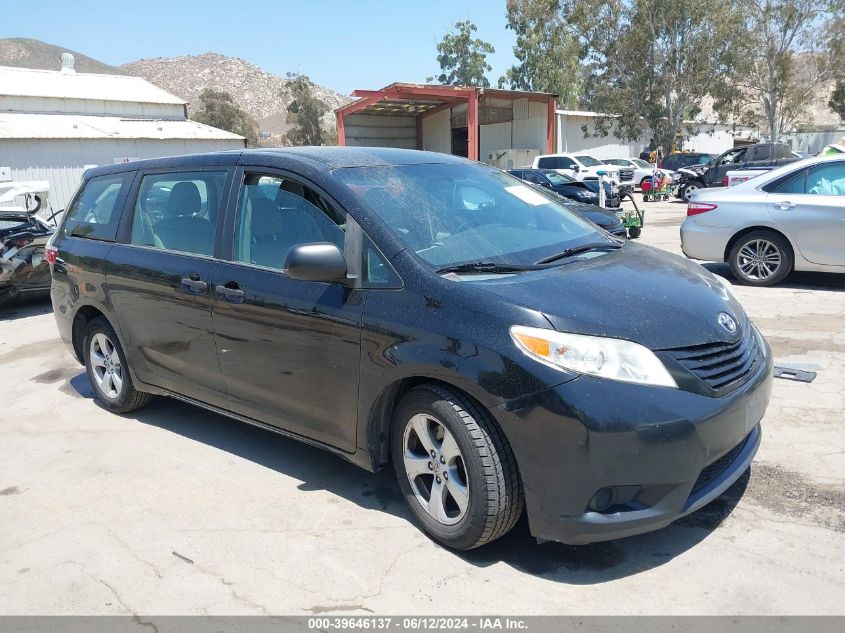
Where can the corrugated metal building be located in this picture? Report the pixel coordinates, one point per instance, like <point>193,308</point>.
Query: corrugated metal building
<point>56,124</point>
<point>501,127</point>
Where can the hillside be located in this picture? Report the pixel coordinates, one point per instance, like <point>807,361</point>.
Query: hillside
<point>28,53</point>
<point>260,93</point>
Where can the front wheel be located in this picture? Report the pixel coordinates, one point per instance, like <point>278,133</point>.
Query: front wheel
<point>761,258</point>
<point>455,468</point>
<point>634,232</point>
<point>689,189</point>
<point>107,370</point>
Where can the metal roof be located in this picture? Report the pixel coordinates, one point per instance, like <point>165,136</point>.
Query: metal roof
<point>53,84</point>
<point>74,126</point>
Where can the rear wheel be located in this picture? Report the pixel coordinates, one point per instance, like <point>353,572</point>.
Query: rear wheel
<point>634,232</point>
<point>455,468</point>
<point>107,370</point>
<point>761,258</point>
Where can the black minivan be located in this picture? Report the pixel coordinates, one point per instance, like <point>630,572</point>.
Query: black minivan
<point>421,309</point>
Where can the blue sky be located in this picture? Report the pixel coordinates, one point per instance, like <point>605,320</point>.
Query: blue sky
<point>341,45</point>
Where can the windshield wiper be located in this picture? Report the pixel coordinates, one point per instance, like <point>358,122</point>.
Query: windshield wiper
<point>483,267</point>
<point>583,248</point>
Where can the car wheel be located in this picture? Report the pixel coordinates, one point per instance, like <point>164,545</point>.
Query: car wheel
<point>108,371</point>
<point>688,189</point>
<point>761,258</point>
<point>634,232</point>
<point>455,468</point>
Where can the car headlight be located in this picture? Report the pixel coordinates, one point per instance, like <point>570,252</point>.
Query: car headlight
<point>610,358</point>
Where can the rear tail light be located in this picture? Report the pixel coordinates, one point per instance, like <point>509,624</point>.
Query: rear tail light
<point>694,208</point>
<point>726,180</point>
<point>51,253</point>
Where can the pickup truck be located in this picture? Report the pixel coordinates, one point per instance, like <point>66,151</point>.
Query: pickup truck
<point>757,157</point>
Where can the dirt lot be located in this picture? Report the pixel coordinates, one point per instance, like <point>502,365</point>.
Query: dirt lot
<point>176,511</point>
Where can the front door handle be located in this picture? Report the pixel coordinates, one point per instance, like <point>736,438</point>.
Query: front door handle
<point>231,292</point>
<point>783,205</point>
<point>194,283</point>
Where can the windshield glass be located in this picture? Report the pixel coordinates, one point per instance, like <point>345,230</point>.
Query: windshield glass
<point>588,161</point>
<point>457,213</point>
<point>558,179</point>
<point>641,163</point>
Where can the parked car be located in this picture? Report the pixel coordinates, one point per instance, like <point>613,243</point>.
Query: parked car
<point>760,156</point>
<point>421,309</point>
<point>24,231</point>
<point>639,170</point>
<point>676,160</point>
<point>579,166</point>
<point>566,186</point>
<point>790,218</point>
<point>605,218</point>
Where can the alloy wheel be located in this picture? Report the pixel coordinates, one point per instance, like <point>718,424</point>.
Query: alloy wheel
<point>105,366</point>
<point>759,259</point>
<point>689,190</point>
<point>436,469</point>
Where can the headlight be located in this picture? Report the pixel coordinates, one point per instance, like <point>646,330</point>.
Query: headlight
<point>595,355</point>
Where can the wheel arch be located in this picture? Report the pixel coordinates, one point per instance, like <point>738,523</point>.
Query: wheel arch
<point>751,229</point>
<point>84,315</point>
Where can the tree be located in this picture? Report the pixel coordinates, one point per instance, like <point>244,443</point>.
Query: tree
<point>789,48</point>
<point>547,53</point>
<point>218,109</point>
<point>462,58</point>
<point>650,61</point>
<point>837,99</point>
<point>305,112</point>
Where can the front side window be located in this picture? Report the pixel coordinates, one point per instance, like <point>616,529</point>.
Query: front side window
<point>457,213</point>
<point>276,213</point>
<point>178,211</point>
<point>826,180</point>
<point>734,156</point>
<point>555,162</point>
<point>95,213</point>
<point>796,184</point>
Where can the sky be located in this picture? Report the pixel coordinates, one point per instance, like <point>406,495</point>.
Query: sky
<point>341,45</point>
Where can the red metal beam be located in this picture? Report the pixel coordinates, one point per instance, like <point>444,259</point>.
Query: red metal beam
<point>421,92</point>
<point>355,106</point>
<point>551,125</point>
<point>472,125</point>
<point>341,128</point>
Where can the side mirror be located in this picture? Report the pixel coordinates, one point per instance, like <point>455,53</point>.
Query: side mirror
<point>320,261</point>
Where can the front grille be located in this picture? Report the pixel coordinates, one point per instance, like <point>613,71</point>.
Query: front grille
<point>714,469</point>
<point>626,174</point>
<point>722,366</point>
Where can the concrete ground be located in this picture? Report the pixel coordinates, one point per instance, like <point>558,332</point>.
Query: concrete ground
<point>173,510</point>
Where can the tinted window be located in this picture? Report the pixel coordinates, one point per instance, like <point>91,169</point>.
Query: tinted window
<point>456,213</point>
<point>96,211</point>
<point>533,177</point>
<point>795,184</point>
<point>826,180</point>
<point>178,211</point>
<point>784,152</point>
<point>555,162</point>
<point>276,213</point>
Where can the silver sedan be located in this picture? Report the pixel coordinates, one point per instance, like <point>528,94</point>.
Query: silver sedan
<point>790,218</point>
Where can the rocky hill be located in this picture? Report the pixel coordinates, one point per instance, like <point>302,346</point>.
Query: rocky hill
<point>28,53</point>
<point>262,94</point>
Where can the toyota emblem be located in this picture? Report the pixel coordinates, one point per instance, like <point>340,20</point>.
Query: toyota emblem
<point>727,322</point>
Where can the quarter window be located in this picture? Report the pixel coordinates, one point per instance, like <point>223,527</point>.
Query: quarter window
<point>95,213</point>
<point>178,211</point>
<point>276,213</point>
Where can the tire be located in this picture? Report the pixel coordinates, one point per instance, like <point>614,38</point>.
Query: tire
<point>690,188</point>
<point>472,460</point>
<point>634,232</point>
<point>109,376</point>
<point>761,258</point>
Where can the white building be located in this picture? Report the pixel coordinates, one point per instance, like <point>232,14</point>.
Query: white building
<point>56,124</point>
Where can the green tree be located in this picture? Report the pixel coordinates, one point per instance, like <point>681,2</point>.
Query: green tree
<point>650,61</point>
<point>305,113</point>
<point>546,51</point>
<point>462,58</point>
<point>787,50</point>
<point>837,99</point>
<point>218,109</point>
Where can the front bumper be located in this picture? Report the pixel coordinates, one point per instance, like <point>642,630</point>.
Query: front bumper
<point>589,434</point>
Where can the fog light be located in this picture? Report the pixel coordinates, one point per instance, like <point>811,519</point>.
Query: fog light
<point>602,500</point>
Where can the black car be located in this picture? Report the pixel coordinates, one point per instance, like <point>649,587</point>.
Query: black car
<point>419,309</point>
<point>566,186</point>
<point>24,271</point>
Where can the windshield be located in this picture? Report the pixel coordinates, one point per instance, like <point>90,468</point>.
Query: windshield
<point>588,161</point>
<point>641,163</point>
<point>558,179</point>
<point>458,213</point>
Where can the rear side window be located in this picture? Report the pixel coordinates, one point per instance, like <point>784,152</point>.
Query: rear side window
<point>95,213</point>
<point>177,211</point>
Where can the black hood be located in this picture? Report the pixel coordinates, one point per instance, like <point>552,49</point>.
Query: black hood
<point>594,213</point>
<point>636,293</point>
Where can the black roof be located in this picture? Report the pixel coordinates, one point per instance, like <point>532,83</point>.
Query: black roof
<point>330,157</point>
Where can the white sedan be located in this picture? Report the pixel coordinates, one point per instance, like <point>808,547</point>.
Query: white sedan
<point>790,218</point>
